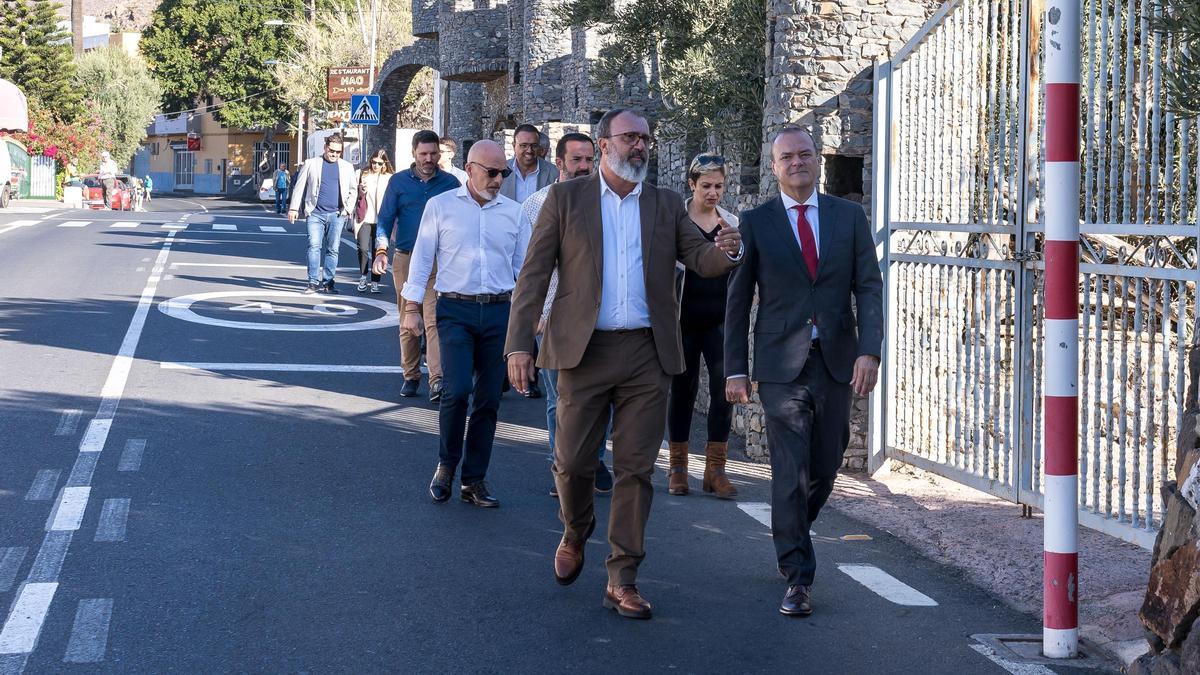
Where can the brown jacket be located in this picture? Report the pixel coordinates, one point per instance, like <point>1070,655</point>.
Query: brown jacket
<point>569,234</point>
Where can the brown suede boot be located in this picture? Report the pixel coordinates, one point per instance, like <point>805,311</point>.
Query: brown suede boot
<point>677,479</point>
<point>715,480</point>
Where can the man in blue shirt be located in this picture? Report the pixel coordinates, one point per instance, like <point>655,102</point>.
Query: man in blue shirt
<point>281,188</point>
<point>400,216</point>
<point>326,187</point>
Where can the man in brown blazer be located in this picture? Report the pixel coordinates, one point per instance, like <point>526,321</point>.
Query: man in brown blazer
<point>613,338</point>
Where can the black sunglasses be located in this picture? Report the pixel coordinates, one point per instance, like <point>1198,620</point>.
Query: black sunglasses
<point>492,173</point>
<point>709,159</point>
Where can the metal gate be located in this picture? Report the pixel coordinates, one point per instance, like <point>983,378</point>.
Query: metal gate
<point>41,177</point>
<point>959,175</point>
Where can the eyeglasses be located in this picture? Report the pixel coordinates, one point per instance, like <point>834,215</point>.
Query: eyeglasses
<point>632,137</point>
<point>376,163</point>
<point>492,173</point>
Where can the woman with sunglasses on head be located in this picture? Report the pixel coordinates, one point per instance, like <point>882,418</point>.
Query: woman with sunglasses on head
<point>372,184</point>
<point>701,323</point>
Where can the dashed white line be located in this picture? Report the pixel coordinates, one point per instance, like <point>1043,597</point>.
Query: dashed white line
<point>81,472</point>
<point>272,228</point>
<point>886,586</point>
<point>11,559</point>
<point>131,456</point>
<point>89,634</point>
<point>1012,666</point>
<point>113,517</point>
<point>68,422</point>
<point>96,434</point>
<point>75,223</point>
<point>68,511</point>
<point>43,486</point>
<point>50,557</point>
<point>224,226</point>
<point>24,622</point>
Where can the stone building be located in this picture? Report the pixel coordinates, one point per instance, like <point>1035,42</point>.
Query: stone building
<point>500,65</point>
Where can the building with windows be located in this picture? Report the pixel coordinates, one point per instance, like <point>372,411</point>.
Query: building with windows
<point>193,152</point>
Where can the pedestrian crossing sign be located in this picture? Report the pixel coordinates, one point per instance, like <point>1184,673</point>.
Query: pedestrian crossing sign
<point>364,109</point>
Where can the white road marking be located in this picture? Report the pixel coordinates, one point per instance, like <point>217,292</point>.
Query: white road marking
<point>21,629</point>
<point>760,511</point>
<point>68,512</point>
<point>50,557</point>
<point>131,457</point>
<point>68,423</point>
<point>124,225</point>
<point>43,486</point>
<point>173,226</point>
<point>21,223</point>
<point>280,367</point>
<point>224,226</point>
<point>188,201</point>
<point>113,517</point>
<point>11,559</point>
<point>89,634</point>
<point>886,586</point>
<point>272,228</point>
<point>81,472</point>
<point>75,223</point>
<point>181,308</point>
<point>1012,666</point>
<point>254,266</point>
<point>24,622</point>
<point>96,434</point>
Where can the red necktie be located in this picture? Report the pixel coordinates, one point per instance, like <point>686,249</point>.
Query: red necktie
<point>808,245</point>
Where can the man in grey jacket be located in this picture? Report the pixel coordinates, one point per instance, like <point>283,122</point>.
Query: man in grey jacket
<point>326,188</point>
<point>529,174</point>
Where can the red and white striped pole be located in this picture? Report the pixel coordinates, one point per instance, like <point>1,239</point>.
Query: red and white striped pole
<point>1060,612</point>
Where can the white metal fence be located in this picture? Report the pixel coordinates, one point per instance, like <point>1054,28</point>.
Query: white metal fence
<point>960,177</point>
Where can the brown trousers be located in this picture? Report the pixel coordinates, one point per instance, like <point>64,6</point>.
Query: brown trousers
<point>622,368</point>
<point>410,344</point>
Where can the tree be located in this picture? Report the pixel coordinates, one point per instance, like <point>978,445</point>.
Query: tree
<point>711,57</point>
<point>122,94</point>
<point>335,38</point>
<point>1179,20</point>
<point>37,56</point>
<point>214,53</point>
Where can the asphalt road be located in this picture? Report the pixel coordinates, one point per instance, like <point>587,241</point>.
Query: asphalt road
<point>194,478</point>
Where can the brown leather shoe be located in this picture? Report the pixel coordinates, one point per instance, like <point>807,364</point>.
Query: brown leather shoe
<point>796,601</point>
<point>677,479</point>
<point>568,559</point>
<point>628,602</point>
<point>715,480</point>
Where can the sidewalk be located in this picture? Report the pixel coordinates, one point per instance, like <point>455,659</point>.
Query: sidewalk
<point>986,540</point>
<point>32,206</point>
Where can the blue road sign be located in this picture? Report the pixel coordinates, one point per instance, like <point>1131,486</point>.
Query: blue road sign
<point>364,109</point>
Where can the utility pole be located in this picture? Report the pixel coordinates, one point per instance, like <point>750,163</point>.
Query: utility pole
<point>77,26</point>
<point>1060,536</point>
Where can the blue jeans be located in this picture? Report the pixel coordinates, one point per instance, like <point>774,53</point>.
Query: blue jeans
<point>471,335</point>
<point>550,389</point>
<point>280,199</point>
<point>324,232</point>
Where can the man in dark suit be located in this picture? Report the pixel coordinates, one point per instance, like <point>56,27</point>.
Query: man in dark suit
<point>613,337</point>
<point>808,254</point>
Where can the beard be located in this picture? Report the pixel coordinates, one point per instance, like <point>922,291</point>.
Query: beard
<point>625,169</point>
<point>580,173</point>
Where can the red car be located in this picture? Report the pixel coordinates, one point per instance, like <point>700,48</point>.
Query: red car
<point>93,193</point>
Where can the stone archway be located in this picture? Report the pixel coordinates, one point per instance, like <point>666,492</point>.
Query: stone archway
<point>392,86</point>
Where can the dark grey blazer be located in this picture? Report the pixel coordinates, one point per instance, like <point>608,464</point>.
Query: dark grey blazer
<point>547,175</point>
<point>789,299</point>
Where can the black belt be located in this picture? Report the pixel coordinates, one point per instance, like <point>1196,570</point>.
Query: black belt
<point>482,299</point>
<point>627,331</point>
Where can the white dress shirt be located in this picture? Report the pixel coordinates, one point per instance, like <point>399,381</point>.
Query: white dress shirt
<point>526,185</point>
<point>478,249</point>
<point>530,209</point>
<point>623,284</point>
<point>812,213</point>
<point>457,173</point>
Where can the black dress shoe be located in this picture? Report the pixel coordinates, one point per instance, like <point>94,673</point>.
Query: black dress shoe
<point>479,495</point>
<point>409,389</point>
<point>533,391</point>
<point>435,392</point>
<point>330,289</point>
<point>796,601</point>
<point>439,487</point>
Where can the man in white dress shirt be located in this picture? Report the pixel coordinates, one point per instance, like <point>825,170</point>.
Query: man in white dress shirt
<point>476,238</point>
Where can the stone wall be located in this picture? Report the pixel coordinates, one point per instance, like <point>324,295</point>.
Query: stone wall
<point>1172,600</point>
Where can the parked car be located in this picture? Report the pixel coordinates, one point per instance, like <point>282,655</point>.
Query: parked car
<point>8,190</point>
<point>93,193</point>
<point>266,191</point>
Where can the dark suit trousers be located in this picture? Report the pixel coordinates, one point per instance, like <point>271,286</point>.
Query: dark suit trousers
<point>808,428</point>
<point>472,341</point>
<point>620,368</point>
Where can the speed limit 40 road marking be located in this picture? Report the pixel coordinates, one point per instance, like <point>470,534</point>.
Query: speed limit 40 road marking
<point>257,303</point>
